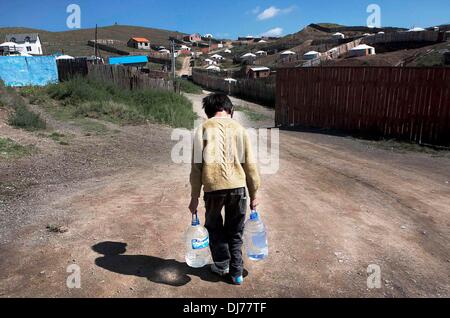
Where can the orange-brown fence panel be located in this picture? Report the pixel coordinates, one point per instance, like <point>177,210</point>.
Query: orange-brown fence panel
<point>389,102</point>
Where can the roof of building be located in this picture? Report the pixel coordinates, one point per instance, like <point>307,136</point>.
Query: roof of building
<point>213,67</point>
<point>260,68</point>
<point>144,40</point>
<point>249,55</point>
<point>8,44</point>
<point>65,57</point>
<point>288,53</point>
<point>131,59</point>
<point>362,47</point>
<point>311,53</point>
<point>20,38</point>
<point>261,52</point>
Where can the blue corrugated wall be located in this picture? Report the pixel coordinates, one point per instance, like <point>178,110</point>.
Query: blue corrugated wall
<point>28,71</point>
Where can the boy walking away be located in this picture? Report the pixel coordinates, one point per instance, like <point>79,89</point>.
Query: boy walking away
<point>223,163</point>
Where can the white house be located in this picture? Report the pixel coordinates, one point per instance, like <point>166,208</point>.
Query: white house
<point>213,68</point>
<point>286,53</point>
<point>338,35</point>
<point>228,51</point>
<point>210,62</point>
<point>362,50</point>
<point>217,57</point>
<point>27,43</point>
<point>311,55</point>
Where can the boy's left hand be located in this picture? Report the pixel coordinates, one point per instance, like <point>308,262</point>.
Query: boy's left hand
<point>193,206</point>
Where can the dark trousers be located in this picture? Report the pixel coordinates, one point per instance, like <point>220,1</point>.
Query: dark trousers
<point>225,239</point>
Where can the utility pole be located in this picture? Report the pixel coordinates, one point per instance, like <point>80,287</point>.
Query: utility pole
<point>174,66</point>
<point>95,45</point>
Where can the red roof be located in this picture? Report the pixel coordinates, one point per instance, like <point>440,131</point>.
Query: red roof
<point>141,40</point>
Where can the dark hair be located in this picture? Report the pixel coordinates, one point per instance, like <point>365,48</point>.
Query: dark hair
<point>217,102</point>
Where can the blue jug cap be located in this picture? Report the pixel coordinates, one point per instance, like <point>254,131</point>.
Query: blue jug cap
<point>195,220</point>
<point>254,215</point>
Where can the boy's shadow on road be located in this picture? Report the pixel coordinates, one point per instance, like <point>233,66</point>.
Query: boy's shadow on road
<point>157,270</point>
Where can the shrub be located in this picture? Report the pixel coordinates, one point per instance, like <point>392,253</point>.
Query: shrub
<point>89,98</point>
<point>24,118</point>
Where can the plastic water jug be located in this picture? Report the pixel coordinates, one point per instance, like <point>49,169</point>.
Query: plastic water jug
<point>197,244</point>
<point>255,238</point>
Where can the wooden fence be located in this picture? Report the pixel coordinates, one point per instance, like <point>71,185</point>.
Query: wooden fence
<point>68,69</point>
<point>123,76</point>
<point>257,90</point>
<point>128,78</point>
<point>389,102</point>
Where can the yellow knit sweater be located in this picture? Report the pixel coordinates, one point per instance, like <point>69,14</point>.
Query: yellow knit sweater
<point>223,158</point>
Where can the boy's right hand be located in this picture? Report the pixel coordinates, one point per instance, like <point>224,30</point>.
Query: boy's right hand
<point>254,204</point>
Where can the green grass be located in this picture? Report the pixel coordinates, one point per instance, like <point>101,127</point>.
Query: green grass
<point>189,87</point>
<point>251,114</point>
<point>85,98</point>
<point>432,59</point>
<point>21,117</point>
<point>10,149</point>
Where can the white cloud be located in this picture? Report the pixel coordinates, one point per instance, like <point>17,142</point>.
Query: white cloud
<point>272,12</point>
<point>273,32</point>
<point>269,13</point>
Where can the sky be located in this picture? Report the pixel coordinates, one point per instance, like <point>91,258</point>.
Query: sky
<point>223,19</point>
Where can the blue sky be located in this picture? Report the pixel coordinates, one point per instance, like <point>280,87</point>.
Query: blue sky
<point>225,18</point>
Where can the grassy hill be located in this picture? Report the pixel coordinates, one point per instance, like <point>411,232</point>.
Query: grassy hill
<point>74,42</point>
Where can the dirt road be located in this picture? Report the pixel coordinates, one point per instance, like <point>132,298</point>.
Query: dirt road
<point>186,68</point>
<point>336,206</point>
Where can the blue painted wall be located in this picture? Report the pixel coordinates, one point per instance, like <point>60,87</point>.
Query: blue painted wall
<point>28,71</point>
<point>137,59</point>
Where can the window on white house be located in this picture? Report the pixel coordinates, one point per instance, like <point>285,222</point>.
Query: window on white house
<point>29,48</point>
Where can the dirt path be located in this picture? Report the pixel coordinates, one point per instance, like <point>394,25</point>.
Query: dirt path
<point>186,68</point>
<point>336,206</point>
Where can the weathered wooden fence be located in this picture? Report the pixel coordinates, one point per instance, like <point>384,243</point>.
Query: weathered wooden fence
<point>258,90</point>
<point>127,77</point>
<point>123,76</point>
<point>390,102</point>
<point>68,69</point>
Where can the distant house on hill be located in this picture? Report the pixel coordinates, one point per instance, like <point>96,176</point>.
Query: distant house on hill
<point>311,55</point>
<point>139,43</point>
<point>193,38</point>
<point>362,50</point>
<point>29,43</point>
<point>258,72</point>
<point>338,35</point>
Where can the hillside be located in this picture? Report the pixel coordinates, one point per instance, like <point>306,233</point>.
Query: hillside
<point>75,42</point>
